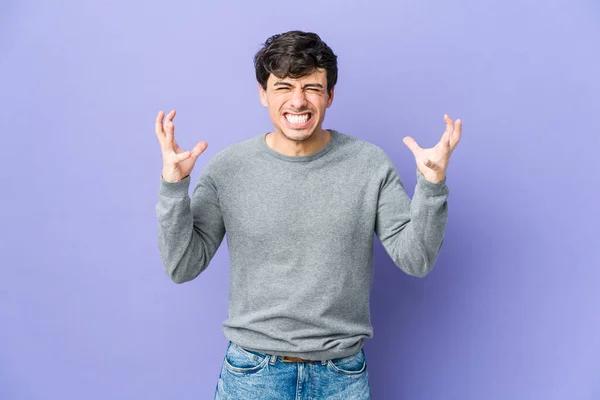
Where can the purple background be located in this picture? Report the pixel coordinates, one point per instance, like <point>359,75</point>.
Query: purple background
<point>511,309</point>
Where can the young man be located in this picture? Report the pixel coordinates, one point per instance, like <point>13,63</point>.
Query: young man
<point>299,205</point>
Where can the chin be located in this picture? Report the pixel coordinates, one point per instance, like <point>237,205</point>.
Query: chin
<point>298,135</point>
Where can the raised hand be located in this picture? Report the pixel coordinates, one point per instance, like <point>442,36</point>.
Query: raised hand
<point>432,163</point>
<point>177,164</point>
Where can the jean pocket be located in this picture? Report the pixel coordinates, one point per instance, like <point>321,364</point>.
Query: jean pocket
<point>241,361</point>
<point>351,365</point>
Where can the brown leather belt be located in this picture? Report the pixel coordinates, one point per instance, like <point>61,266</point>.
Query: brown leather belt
<point>295,359</point>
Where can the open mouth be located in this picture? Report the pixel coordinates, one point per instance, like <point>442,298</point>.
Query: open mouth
<point>298,120</point>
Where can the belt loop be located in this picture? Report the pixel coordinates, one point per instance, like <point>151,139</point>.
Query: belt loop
<point>273,359</point>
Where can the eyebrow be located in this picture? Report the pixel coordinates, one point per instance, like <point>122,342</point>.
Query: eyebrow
<point>280,83</point>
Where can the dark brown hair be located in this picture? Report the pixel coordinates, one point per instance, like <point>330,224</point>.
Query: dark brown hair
<point>295,54</point>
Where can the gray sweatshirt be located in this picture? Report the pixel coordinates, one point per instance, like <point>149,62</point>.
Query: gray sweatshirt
<point>300,238</point>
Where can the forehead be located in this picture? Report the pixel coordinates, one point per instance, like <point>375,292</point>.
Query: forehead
<point>317,76</point>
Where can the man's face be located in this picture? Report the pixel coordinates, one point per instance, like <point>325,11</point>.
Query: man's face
<point>297,106</point>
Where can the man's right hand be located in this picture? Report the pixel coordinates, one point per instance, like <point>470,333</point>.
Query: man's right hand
<point>177,164</point>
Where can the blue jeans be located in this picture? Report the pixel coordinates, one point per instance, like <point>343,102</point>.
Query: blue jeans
<point>248,375</point>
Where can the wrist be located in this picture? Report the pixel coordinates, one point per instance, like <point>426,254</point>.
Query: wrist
<point>172,181</point>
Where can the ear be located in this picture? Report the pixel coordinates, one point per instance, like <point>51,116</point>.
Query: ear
<point>262,93</point>
<point>331,93</point>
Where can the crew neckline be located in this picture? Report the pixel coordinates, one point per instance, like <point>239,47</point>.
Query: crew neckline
<point>309,157</point>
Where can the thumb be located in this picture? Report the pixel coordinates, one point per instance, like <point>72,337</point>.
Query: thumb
<point>199,149</point>
<point>411,144</point>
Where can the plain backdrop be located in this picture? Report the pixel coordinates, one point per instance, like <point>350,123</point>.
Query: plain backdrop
<point>511,308</point>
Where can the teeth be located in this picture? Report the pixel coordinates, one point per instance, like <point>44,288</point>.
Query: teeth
<point>297,119</point>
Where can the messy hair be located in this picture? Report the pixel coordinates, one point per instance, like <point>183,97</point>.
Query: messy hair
<point>295,54</point>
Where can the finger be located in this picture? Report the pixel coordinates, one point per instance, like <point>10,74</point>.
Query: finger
<point>171,115</point>
<point>455,137</point>
<point>449,123</point>
<point>170,130</point>
<point>176,148</point>
<point>450,132</point>
<point>444,143</point>
<point>158,127</point>
<point>182,156</point>
<point>412,145</point>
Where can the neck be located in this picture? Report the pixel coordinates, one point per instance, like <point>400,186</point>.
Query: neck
<point>290,147</point>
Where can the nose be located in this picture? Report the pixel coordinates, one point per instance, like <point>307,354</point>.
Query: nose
<point>298,100</point>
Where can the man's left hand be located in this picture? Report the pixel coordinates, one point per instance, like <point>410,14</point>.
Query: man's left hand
<point>432,163</point>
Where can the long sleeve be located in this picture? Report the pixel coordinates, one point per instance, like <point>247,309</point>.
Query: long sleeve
<point>412,232</point>
<point>190,230</point>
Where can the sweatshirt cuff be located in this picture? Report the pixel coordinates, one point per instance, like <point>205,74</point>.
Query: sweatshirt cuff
<point>430,188</point>
<point>175,189</point>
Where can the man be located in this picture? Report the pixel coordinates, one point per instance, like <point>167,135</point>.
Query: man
<point>299,205</point>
